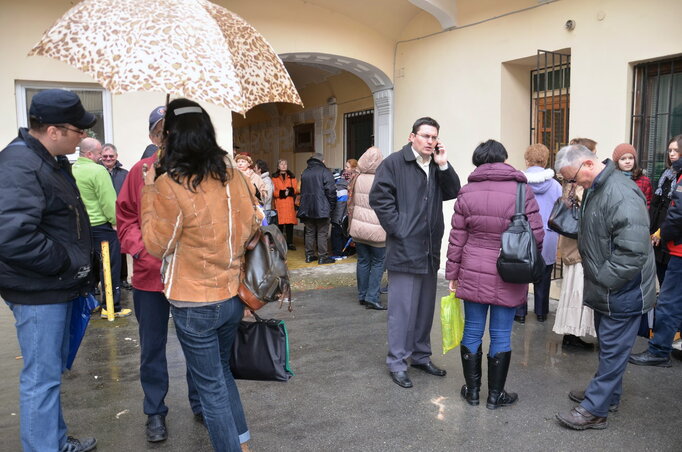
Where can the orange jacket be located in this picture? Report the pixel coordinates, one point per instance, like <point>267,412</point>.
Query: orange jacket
<point>286,214</point>
<point>199,236</point>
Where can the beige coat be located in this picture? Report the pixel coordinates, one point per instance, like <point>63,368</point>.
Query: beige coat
<point>199,236</point>
<point>364,224</point>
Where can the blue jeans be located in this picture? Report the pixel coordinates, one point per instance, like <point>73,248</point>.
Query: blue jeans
<point>668,310</point>
<point>151,311</point>
<point>43,334</point>
<point>501,321</point>
<point>369,270</point>
<point>206,334</point>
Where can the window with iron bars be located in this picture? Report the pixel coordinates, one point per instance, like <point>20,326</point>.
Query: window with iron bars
<point>656,112</point>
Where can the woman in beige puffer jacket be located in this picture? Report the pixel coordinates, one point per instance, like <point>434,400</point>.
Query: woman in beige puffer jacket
<point>367,233</point>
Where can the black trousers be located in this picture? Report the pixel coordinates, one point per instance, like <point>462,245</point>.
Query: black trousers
<point>288,231</point>
<point>101,233</point>
<point>540,295</point>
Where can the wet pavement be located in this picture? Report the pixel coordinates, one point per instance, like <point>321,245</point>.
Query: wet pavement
<point>342,398</point>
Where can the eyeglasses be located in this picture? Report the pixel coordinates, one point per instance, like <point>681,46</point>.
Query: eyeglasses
<point>108,157</point>
<point>573,179</point>
<point>78,131</point>
<point>428,137</point>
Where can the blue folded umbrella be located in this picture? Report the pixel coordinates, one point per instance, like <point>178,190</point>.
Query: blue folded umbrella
<point>80,316</point>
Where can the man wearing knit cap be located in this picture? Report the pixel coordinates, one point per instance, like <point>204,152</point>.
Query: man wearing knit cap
<point>44,259</point>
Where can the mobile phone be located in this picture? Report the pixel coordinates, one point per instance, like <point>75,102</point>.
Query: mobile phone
<point>437,149</point>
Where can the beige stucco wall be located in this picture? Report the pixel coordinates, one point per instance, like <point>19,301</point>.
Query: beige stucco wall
<point>461,79</point>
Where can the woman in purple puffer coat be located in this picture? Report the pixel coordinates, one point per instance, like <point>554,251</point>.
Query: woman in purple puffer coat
<point>483,212</point>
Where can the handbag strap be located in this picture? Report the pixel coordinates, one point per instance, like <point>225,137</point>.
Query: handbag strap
<point>520,198</point>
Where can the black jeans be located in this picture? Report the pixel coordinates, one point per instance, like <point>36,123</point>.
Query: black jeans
<point>101,233</point>
<point>288,231</point>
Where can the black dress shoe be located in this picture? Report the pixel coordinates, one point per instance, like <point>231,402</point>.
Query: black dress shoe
<point>374,305</point>
<point>581,419</point>
<point>401,379</point>
<point>429,368</point>
<point>156,428</point>
<point>199,417</point>
<point>79,445</point>
<point>542,318</point>
<point>649,359</point>
<point>291,247</point>
<point>579,396</point>
<point>574,341</point>
<point>362,302</point>
<point>520,319</point>
<point>309,259</point>
<point>326,260</point>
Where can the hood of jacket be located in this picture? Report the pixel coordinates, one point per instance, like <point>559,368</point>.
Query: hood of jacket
<point>370,160</point>
<point>312,162</point>
<point>496,172</point>
<point>539,179</point>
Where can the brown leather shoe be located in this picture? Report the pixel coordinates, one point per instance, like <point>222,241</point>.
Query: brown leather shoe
<point>581,419</point>
<point>579,396</point>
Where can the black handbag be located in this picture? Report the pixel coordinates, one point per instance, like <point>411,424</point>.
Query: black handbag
<point>261,351</point>
<point>519,260</point>
<point>565,216</point>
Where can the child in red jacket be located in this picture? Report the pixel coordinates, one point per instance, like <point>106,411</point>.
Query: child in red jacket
<point>625,158</point>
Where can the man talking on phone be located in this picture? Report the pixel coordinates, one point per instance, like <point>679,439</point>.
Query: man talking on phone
<point>407,195</point>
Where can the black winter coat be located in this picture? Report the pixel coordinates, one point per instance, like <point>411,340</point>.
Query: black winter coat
<point>44,228</point>
<point>410,209</point>
<point>615,246</point>
<point>671,229</point>
<point>318,191</point>
<point>118,176</point>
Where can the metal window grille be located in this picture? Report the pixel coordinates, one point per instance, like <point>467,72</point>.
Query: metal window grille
<point>550,107</point>
<point>656,112</point>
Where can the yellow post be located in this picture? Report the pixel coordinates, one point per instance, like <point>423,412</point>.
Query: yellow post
<point>108,292</point>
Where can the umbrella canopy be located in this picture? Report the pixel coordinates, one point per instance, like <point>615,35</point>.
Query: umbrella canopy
<point>188,48</point>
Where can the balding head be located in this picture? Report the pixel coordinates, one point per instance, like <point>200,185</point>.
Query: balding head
<point>92,149</point>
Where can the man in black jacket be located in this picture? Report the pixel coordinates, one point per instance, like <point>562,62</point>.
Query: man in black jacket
<point>407,195</point>
<point>318,199</point>
<point>44,258</point>
<point>669,305</point>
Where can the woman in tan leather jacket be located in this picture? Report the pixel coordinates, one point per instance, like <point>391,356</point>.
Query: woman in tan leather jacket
<point>197,217</point>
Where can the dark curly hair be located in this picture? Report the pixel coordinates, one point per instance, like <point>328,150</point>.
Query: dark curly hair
<point>191,153</point>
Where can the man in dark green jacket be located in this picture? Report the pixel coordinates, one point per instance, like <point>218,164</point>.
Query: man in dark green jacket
<point>620,275</point>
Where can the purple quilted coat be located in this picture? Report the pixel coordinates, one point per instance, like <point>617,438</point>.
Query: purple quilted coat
<point>482,213</point>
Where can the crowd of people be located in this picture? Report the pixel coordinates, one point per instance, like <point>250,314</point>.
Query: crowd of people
<point>188,201</point>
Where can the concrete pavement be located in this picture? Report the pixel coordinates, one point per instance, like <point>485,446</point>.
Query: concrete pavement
<point>342,398</point>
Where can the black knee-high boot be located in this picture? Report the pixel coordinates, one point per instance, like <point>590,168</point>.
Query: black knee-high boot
<point>498,366</point>
<point>471,365</point>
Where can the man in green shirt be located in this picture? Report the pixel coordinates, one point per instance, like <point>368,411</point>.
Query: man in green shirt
<point>99,197</point>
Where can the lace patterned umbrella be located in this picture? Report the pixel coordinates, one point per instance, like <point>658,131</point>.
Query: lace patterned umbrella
<point>188,48</point>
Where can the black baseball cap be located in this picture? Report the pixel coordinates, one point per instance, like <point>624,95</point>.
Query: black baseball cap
<point>59,106</point>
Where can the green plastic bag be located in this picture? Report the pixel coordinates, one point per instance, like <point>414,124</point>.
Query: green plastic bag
<point>452,322</point>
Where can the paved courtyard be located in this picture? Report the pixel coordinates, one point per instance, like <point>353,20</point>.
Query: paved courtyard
<point>342,398</point>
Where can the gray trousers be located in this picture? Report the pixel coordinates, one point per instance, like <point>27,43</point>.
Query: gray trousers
<point>411,301</point>
<point>316,233</point>
<point>616,338</point>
